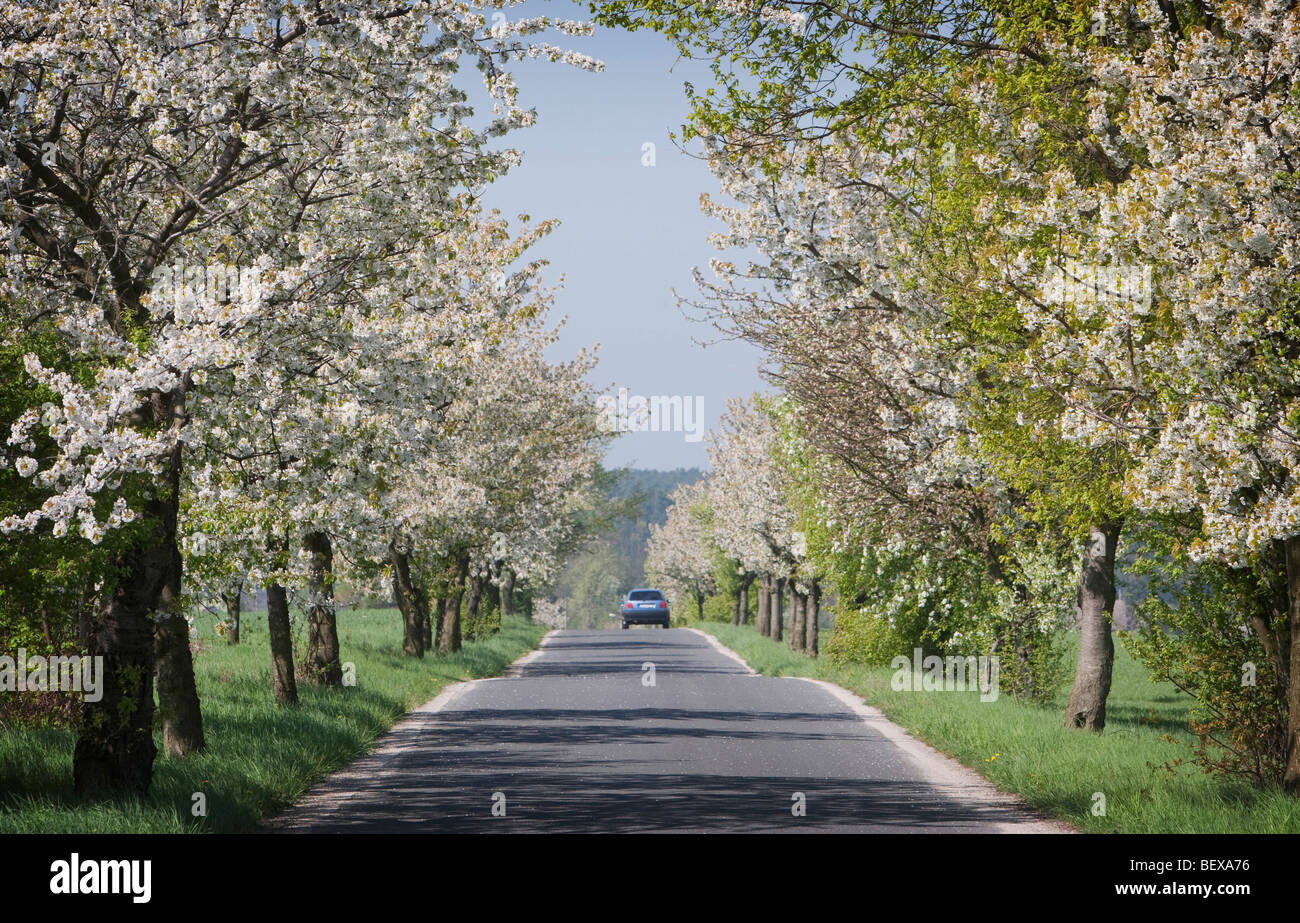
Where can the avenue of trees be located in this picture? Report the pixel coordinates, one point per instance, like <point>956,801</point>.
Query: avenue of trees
<point>1024,274</point>
<point>256,332</point>
<point>1026,281</point>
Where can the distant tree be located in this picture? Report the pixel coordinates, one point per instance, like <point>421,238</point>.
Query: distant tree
<point>679,553</point>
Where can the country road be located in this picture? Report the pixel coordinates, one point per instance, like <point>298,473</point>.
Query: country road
<point>578,740</point>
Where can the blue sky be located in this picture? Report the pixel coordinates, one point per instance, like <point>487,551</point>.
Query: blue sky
<point>629,234</point>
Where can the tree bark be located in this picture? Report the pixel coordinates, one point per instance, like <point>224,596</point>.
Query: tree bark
<point>507,593</point>
<point>763,619</point>
<point>699,605</point>
<point>735,606</point>
<point>1087,705</point>
<point>232,598</point>
<point>432,627</point>
<point>777,605</point>
<point>473,598</point>
<point>323,662</point>
<point>1291,774</point>
<point>449,632</point>
<point>404,592</point>
<point>796,632</point>
<point>178,696</point>
<point>744,598</point>
<point>277,624</point>
<point>421,601</point>
<point>812,607</point>
<point>115,749</point>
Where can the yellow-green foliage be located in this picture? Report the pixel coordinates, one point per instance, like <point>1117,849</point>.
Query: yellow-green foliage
<point>861,637</point>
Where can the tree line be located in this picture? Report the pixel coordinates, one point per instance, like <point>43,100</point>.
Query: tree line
<point>259,332</point>
<point>1025,280</point>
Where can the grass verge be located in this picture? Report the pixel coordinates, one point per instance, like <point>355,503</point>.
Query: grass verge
<point>260,758</point>
<point>1142,763</point>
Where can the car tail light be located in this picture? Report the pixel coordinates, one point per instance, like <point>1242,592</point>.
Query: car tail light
<point>663,604</point>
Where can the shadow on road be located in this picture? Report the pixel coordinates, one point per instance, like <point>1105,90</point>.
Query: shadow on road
<point>554,802</point>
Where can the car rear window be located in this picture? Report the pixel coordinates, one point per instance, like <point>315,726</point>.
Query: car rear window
<point>645,594</point>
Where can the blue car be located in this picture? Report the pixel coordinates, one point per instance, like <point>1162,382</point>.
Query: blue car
<point>645,607</point>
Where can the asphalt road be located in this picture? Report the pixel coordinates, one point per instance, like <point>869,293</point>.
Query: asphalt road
<point>577,740</point>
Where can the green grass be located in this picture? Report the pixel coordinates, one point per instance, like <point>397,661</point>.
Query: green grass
<point>1024,748</point>
<point>260,758</point>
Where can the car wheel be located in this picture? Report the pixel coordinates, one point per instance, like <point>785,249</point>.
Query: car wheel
<point>625,626</point>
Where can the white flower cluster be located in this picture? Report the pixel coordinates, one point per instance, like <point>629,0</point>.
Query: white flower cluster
<point>298,322</point>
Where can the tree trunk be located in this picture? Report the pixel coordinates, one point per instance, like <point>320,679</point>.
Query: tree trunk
<point>449,632</point>
<point>812,606</point>
<point>115,749</point>
<point>699,605</point>
<point>232,598</point>
<point>507,593</point>
<point>744,598</point>
<point>277,624</point>
<point>796,632</point>
<point>432,627</point>
<point>1087,705</point>
<point>421,602</point>
<point>178,696</point>
<point>735,606</point>
<point>763,619</point>
<point>778,603</point>
<point>474,597</point>
<point>323,663</point>
<point>404,592</point>
<point>1291,774</point>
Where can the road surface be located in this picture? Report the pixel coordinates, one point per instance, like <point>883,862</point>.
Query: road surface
<point>584,736</point>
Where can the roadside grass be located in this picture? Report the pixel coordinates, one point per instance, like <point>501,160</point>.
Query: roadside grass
<point>1142,763</point>
<point>260,757</point>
